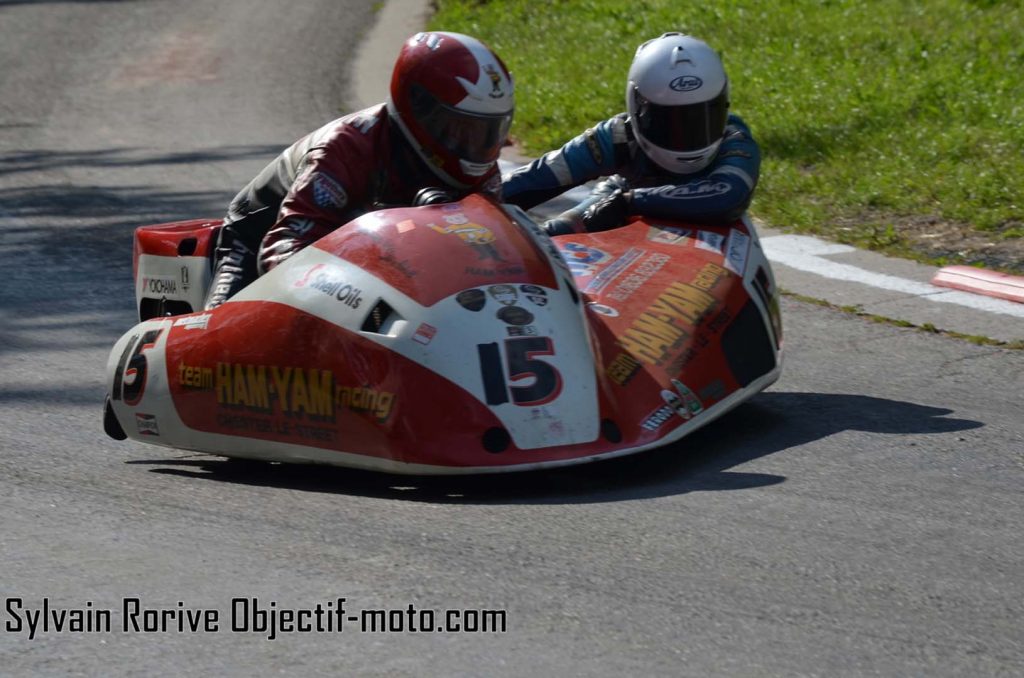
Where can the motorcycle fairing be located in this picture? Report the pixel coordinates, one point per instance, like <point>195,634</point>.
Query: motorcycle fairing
<point>411,342</point>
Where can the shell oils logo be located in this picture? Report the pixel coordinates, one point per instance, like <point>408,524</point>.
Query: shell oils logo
<point>322,279</point>
<point>301,282</point>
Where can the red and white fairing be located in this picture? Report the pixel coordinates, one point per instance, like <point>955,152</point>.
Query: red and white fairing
<point>458,338</point>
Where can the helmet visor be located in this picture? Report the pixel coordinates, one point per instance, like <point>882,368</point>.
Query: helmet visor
<point>474,137</point>
<point>687,128</point>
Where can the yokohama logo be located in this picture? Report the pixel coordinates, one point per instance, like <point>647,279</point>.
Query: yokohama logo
<point>160,285</point>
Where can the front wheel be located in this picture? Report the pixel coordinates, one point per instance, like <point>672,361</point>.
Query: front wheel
<point>111,426</point>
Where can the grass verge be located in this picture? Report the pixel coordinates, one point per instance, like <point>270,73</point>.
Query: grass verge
<point>890,125</point>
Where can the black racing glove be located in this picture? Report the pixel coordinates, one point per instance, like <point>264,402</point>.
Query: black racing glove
<point>431,195</point>
<point>608,212</point>
<point>565,224</point>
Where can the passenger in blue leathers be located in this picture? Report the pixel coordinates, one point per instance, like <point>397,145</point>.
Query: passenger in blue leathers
<point>676,154</point>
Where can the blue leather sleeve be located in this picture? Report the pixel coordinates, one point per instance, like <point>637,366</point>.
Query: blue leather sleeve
<point>720,193</point>
<point>588,156</point>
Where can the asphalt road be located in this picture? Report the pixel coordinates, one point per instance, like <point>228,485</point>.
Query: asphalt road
<point>862,517</point>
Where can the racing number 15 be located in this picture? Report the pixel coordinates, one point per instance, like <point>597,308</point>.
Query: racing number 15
<point>521,364</point>
<point>130,376</point>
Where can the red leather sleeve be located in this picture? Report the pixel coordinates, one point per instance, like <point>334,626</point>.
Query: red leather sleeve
<point>331,187</point>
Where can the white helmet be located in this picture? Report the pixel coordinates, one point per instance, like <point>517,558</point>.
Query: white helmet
<point>677,96</point>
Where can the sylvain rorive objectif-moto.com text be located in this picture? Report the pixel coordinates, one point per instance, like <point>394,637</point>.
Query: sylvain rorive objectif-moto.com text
<point>242,615</point>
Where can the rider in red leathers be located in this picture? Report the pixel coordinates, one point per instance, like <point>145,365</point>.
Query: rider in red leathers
<point>436,139</point>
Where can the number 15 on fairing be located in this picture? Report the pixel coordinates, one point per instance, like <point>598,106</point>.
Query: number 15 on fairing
<point>533,380</point>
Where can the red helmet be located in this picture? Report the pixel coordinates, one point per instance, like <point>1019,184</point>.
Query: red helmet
<point>452,97</point>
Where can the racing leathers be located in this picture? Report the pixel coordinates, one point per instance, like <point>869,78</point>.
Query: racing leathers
<point>635,184</point>
<point>352,165</point>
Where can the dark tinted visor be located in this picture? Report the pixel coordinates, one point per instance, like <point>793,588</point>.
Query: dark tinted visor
<point>681,128</point>
<point>474,137</point>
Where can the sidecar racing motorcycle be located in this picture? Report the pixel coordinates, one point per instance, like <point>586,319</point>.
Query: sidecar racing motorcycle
<point>455,338</point>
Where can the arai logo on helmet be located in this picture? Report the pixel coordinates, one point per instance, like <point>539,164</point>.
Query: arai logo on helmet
<point>686,83</point>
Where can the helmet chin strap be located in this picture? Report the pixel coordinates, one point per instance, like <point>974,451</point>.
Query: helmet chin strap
<point>695,164</point>
<point>679,163</point>
<point>475,169</point>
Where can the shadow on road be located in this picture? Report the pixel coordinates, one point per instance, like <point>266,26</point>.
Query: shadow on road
<point>40,160</point>
<point>772,422</point>
<point>66,249</point>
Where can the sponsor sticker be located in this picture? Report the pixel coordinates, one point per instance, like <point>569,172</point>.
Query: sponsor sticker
<point>194,322</point>
<point>503,294</point>
<point>525,331</point>
<point>657,418</point>
<point>676,403</point>
<point>670,235</point>
<point>365,400</point>
<point>535,293</point>
<point>303,395</point>
<point>471,300</point>
<point>623,368</point>
<point>685,83</point>
<point>480,238</point>
<point>295,391</point>
<point>614,270</point>
<point>146,423</point>
<point>196,377</point>
<point>514,315</point>
<point>492,73</point>
<point>164,286</point>
<point>322,279</point>
<point>582,254</point>
<point>736,250</point>
<point>424,334</point>
<point>643,272</point>
<point>690,401</point>
<point>327,192</point>
<point>696,189</point>
<point>657,334</point>
<point>710,241</point>
<point>469,233</point>
<point>603,309</point>
<point>581,270</point>
<point>300,225</point>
